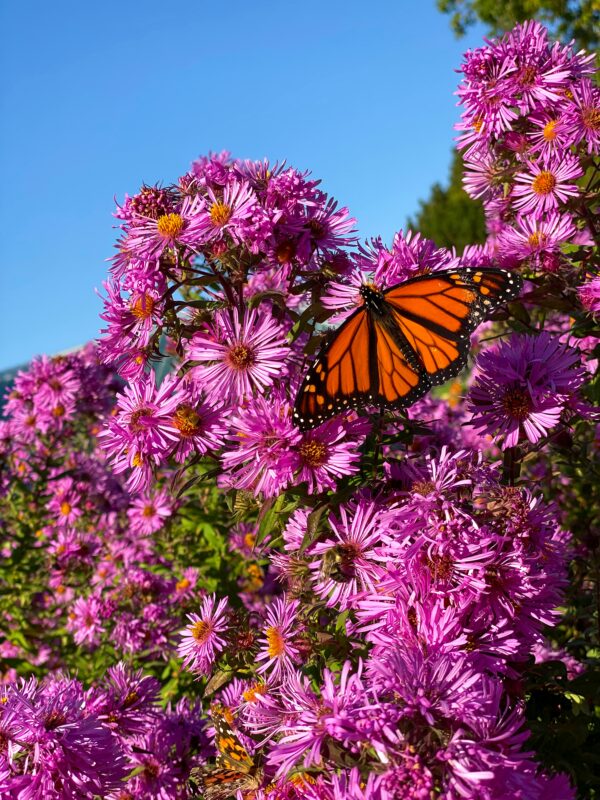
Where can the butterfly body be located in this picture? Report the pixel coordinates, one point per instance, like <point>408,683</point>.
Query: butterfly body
<point>400,342</point>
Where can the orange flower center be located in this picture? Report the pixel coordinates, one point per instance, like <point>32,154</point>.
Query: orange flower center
<point>201,631</point>
<point>186,420</point>
<point>149,511</point>
<point>58,411</point>
<point>275,642</point>
<point>65,508</point>
<point>517,403</point>
<point>537,239</point>
<point>169,225</point>
<point>549,131</point>
<point>313,453</point>
<point>142,307</point>
<point>182,585</point>
<point>252,691</point>
<point>544,183</point>
<point>220,214</point>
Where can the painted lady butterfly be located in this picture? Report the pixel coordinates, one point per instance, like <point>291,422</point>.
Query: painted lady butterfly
<point>235,769</point>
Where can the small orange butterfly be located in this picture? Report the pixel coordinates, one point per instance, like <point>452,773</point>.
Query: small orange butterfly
<point>235,768</point>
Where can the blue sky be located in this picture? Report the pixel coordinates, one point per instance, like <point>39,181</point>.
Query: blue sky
<point>98,98</point>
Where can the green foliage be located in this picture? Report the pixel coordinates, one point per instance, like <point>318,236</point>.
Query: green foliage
<point>566,19</point>
<point>449,216</point>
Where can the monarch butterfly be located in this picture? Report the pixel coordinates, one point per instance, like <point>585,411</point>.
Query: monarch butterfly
<point>401,342</point>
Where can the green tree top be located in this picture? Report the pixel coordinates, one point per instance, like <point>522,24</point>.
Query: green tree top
<point>566,19</point>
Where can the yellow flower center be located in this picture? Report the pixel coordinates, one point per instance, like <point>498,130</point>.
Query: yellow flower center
<point>182,585</point>
<point>186,420</point>
<point>549,131</point>
<point>276,644</point>
<point>201,631</point>
<point>313,453</point>
<point>170,225</point>
<point>517,403</point>
<point>220,214</point>
<point>142,307</point>
<point>65,508</point>
<point>249,540</point>
<point>544,183</point>
<point>537,239</point>
<point>241,357</point>
<point>138,460</point>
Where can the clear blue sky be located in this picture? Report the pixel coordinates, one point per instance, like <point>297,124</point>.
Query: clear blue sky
<point>98,97</point>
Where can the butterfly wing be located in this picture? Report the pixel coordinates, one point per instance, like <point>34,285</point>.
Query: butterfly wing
<point>342,375</point>
<point>219,784</point>
<point>437,313</point>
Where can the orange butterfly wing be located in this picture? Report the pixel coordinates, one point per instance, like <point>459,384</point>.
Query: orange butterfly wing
<point>437,313</point>
<point>341,375</point>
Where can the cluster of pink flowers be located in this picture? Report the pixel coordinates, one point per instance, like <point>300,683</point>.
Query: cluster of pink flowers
<point>112,741</point>
<point>530,130</point>
<point>360,602</point>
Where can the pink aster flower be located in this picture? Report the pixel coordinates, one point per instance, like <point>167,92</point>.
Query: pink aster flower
<point>149,511</point>
<point>589,295</point>
<point>148,239</point>
<point>523,386</point>
<point>141,434</point>
<point>350,563</point>
<point>199,425</point>
<point>228,211</point>
<point>86,620</point>
<point>278,654</point>
<point>238,357</point>
<point>482,175</point>
<point>533,237</point>
<point>551,134</point>
<point>329,452</point>
<point>326,228</point>
<point>202,640</point>
<point>131,320</point>
<point>584,114</point>
<point>546,184</point>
